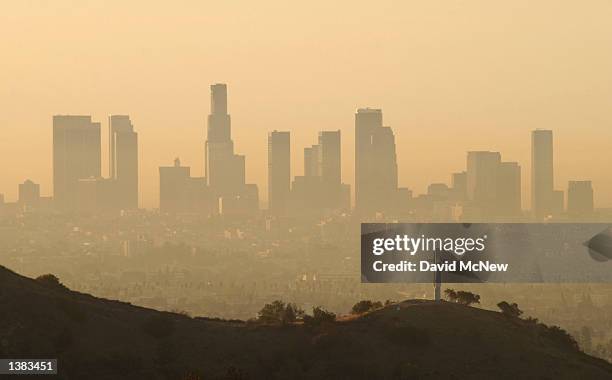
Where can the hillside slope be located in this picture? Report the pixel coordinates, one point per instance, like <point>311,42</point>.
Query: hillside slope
<point>101,339</point>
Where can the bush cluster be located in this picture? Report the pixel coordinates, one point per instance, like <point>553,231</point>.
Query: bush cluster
<point>462,297</point>
<point>366,306</point>
<point>279,312</point>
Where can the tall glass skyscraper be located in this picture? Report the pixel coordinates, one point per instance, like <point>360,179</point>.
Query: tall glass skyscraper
<point>123,161</point>
<point>542,179</point>
<point>76,156</point>
<point>375,163</point>
<point>279,171</point>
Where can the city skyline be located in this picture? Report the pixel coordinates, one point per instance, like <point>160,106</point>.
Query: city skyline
<point>321,162</point>
<point>190,153</point>
<point>446,84</point>
<point>487,187</point>
<point>269,189</point>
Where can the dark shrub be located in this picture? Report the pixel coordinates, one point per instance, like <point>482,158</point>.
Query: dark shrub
<point>279,312</point>
<point>532,320</point>
<point>365,306</point>
<point>467,298</point>
<point>510,310</point>
<point>319,316</point>
<point>463,297</point>
<point>50,281</point>
<point>451,295</point>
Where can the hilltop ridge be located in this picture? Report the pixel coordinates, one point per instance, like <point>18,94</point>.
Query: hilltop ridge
<point>95,338</point>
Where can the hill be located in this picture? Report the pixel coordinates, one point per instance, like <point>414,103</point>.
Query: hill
<point>101,339</point>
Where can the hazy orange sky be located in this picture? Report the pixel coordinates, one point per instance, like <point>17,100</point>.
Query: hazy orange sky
<point>450,76</point>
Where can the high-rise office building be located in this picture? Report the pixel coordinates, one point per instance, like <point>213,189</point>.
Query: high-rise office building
<point>76,155</point>
<point>29,194</point>
<point>438,190</point>
<point>181,193</point>
<point>384,170</point>
<point>95,195</point>
<point>579,199</point>
<point>329,157</point>
<point>492,187</point>
<point>123,161</point>
<point>321,187</point>
<point>174,186</point>
<point>312,167</point>
<point>542,179</point>
<point>375,163</point>
<point>509,190</point>
<point>366,121</point>
<point>334,193</point>
<point>306,190</point>
<point>482,177</point>
<point>459,186</point>
<point>225,170</point>
<point>279,170</point>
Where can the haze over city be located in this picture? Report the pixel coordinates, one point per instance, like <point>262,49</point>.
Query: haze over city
<point>446,83</point>
<point>269,189</point>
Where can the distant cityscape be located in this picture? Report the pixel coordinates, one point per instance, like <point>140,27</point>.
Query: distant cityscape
<point>488,189</point>
<point>210,249</point>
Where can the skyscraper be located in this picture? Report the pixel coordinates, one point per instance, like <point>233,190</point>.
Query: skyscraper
<point>311,161</point>
<point>174,186</point>
<point>375,163</point>
<point>459,185</point>
<point>123,161</point>
<point>95,195</point>
<point>321,187</point>
<point>366,121</point>
<point>29,194</point>
<point>579,199</point>
<point>76,155</point>
<point>279,170</point>
<point>492,187</point>
<point>542,180</point>
<point>383,173</point>
<point>329,157</point>
<point>225,171</point>
<point>482,177</point>
<point>509,190</point>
